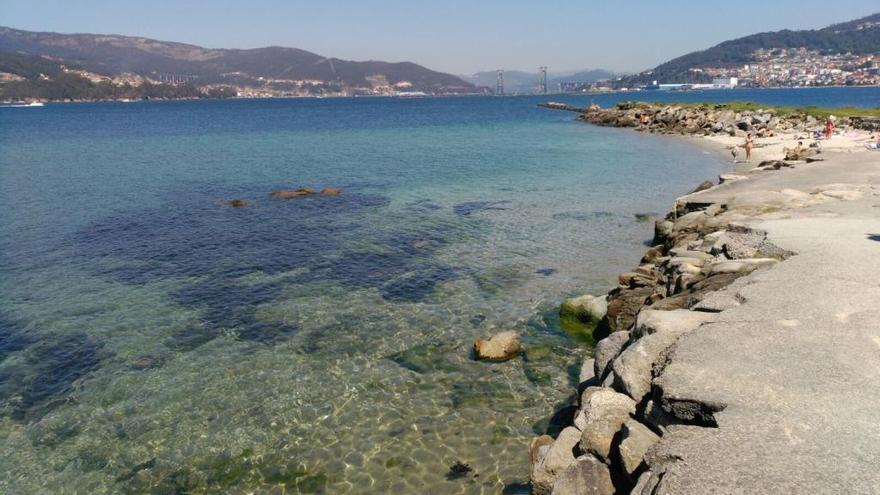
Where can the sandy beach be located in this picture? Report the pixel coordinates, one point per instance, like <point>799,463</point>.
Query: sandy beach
<point>773,148</point>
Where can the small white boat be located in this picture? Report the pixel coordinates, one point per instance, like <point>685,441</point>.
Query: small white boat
<point>25,105</point>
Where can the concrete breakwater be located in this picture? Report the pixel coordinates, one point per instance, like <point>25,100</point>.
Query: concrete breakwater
<point>704,378</point>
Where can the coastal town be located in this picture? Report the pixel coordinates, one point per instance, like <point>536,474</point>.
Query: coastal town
<point>798,67</point>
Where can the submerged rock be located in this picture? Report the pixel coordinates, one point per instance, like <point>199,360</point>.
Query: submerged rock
<point>587,309</point>
<point>238,203</point>
<point>458,470</point>
<point>331,191</point>
<point>425,358</point>
<point>289,194</point>
<point>500,347</point>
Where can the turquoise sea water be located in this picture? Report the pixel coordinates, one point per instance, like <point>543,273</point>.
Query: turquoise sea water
<point>155,340</point>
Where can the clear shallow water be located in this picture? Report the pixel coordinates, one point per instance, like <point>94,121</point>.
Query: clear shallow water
<point>153,339</point>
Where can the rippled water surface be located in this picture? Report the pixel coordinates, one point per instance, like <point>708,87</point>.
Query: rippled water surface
<point>155,340</point>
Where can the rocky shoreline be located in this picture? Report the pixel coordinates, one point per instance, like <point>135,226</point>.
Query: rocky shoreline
<point>702,251</point>
<point>708,120</point>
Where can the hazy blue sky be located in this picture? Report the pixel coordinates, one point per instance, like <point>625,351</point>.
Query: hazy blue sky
<point>453,35</point>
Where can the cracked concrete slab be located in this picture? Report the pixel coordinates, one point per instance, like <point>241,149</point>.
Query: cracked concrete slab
<point>795,365</point>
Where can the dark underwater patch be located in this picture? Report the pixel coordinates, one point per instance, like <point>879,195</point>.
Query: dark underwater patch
<point>483,395</point>
<point>12,338</point>
<point>49,371</point>
<point>192,236</point>
<point>416,286</point>
<point>424,205</point>
<point>470,207</point>
<point>195,237</point>
<point>584,216</point>
<point>425,358</point>
<point>266,332</point>
<point>192,336</point>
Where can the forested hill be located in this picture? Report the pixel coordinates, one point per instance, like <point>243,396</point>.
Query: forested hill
<point>861,36</point>
<point>114,54</point>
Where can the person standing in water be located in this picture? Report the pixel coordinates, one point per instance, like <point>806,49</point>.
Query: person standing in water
<point>748,146</point>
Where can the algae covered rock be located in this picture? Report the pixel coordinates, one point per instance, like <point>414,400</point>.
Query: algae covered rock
<point>586,309</point>
<point>500,347</point>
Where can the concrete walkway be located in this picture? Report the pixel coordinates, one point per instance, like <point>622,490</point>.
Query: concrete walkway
<point>796,366</point>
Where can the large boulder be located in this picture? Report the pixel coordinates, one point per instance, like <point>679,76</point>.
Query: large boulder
<point>699,288</point>
<point>624,305</point>
<point>703,186</point>
<point>662,231</point>
<point>694,221</point>
<point>500,347</point>
<point>652,255</point>
<point>690,253</point>
<point>586,476</point>
<point>746,265</point>
<point>646,484</point>
<point>588,371</point>
<point>553,460</point>
<point>603,412</point>
<point>652,321</point>
<point>537,449</point>
<point>659,330</point>
<point>636,439</point>
<point>606,350</point>
<point>586,309</point>
<point>799,153</point>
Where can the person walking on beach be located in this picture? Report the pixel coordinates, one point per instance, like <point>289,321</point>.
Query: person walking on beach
<point>748,146</point>
<point>829,127</point>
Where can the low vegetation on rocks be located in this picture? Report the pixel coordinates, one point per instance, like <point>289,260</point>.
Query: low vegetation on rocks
<point>734,119</point>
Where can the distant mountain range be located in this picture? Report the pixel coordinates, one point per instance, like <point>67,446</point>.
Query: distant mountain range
<point>861,36</point>
<point>526,82</point>
<point>271,67</point>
